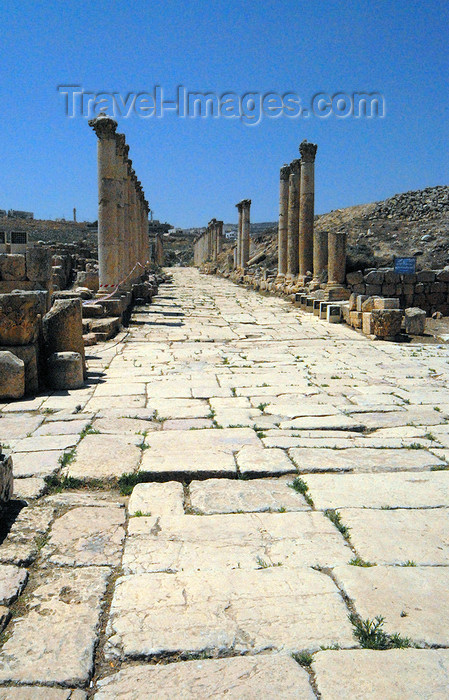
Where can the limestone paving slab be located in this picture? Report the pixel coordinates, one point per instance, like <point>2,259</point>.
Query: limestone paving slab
<point>278,609</point>
<point>21,544</point>
<point>392,490</point>
<point>86,536</point>
<point>13,427</point>
<point>404,673</point>
<point>196,451</point>
<point>36,464</point>
<point>157,499</point>
<point>237,678</point>
<point>40,693</point>
<point>337,422</point>
<point>244,541</point>
<point>398,536</point>
<point>413,600</point>
<point>73,427</point>
<point>29,488</point>
<point>214,496</point>
<point>12,582</point>
<point>53,642</point>
<point>256,460</point>
<point>46,443</point>
<point>360,459</point>
<point>105,457</point>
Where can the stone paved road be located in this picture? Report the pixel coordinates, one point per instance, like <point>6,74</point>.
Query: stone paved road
<point>284,474</point>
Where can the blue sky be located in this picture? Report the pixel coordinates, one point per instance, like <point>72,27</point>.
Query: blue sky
<point>196,169</point>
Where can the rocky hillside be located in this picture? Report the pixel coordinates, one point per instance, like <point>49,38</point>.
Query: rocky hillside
<point>407,224</point>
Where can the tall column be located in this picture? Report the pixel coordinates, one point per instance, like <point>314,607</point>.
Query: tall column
<point>319,256</point>
<point>336,266</point>
<point>122,195</point>
<point>293,219</point>
<point>219,226</point>
<point>245,232</point>
<point>105,128</point>
<point>146,211</point>
<point>307,205</point>
<point>283,219</point>
<point>239,235</point>
<point>131,219</point>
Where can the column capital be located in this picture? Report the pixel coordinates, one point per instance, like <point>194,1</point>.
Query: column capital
<point>295,166</point>
<point>308,151</point>
<point>239,206</point>
<point>285,172</point>
<point>246,203</point>
<point>104,126</point>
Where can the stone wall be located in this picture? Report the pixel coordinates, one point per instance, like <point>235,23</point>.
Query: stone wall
<point>427,289</point>
<point>28,272</point>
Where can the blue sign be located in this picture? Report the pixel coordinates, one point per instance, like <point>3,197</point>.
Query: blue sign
<point>405,266</point>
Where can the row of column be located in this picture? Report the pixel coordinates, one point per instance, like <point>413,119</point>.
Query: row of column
<point>123,241</point>
<point>243,234</point>
<point>207,247</point>
<point>304,253</point>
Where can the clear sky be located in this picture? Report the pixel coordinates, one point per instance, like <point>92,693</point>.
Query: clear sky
<point>193,169</point>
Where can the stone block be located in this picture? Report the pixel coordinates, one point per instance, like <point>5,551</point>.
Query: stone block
<point>375,277</point>
<point>359,288</point>
<point>113,307</point>
<point>367,323</point>
<point>353,302</point>
<point>409,278</point>
<point>388,290</point>
<point>6,478</point>
<point>334,313</point>
<point>380,303</point>
<point>355,319</point>
<point>65,370</point>
<point>316,307</point>
<point>368,305</point>
<point>408,289</point>
<point>19,318</point>
<point>443,275</point>
<point>438,288</point>
<point>88,279</point>
<point>93,310</point>
<point>12,267</point>
<point>309,304</point>
<point>354,277</point>
<point>392,277</point>
<point>323,309</point>
<point>415,321</point>
<point>426,276</point>
<point>359,302</point>
<point>344,313</point>
<point>63,328</point>
<point>373,289</point>
<point>29,354</point>
<point>387,322</point>
<point>12,376</point>
<point>38,263</point>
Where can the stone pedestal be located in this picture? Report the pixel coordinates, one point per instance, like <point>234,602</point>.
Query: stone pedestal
<point>336,267</point>
<point>65,370</point>
<point>108,254</point>
<point>283,221</point>
<point>306,207</point>
<point>293,220</point>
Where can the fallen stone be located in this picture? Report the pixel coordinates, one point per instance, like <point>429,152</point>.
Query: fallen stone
<point>19,318</point>
<point>415,321</point>
<point>387,323</point>
<point>12,376</point>
<point>29,354</point>
<point>63,328</point>
<point>235,678</point>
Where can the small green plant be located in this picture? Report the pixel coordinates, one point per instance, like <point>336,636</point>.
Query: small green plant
<point>262,407</point>
<point>437,409</point>
<point>57,484</point>
<point>370,634</point>
<point>233,391</point>
<point>88,430</point>
<point>260,434</point>
<point>358,561</point>
<point>430,436</point>
<point>300,486</point>
<point>335,376</point>
<point>303,658</point>
<point>439,468</point>
<point>67,457</point>
<point>225,360</point>
<point>49,411</point>
<point>409,562</point>
<point>262,564</point>
<point>335,518</point>
<point>332,647</point>
<point>140,514</point>
<point>41,541</point>
<point>414,446</point>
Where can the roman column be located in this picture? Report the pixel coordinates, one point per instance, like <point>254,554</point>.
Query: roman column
<point>306,207</point>
<point>239,235</point>
<point>319,256</point>
<point>121,196</point>
<point>336,266</point>
<point>219,226</point>
<point>246,204</point>
<point>293,219</point>
<point>283,219</point>
<point>105,128</point>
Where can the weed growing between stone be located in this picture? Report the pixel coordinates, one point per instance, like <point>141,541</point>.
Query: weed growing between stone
<point>335,518</point>
<point>370,635</point>
<point>300,486</point>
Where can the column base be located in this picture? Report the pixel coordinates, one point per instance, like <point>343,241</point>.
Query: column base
<point>336,292</point>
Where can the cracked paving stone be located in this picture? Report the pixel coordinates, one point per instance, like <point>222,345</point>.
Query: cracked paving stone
<point>215,496</point>
<point>86,536</point>
<point>272,609</point>
<point>105,457</point>
<point>411,674</point>
<point>31,464</point>
<point>53,642</point>
<point>237,678</point>
<point>397,536</point>
<point>246,541</point>
<point>413,600</point>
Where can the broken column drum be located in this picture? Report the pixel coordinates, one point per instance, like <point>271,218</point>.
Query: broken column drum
<point>306,207</point>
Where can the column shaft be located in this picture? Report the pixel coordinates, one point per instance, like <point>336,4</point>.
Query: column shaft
<point>293,220</point>
<point>283,220</point>
<point>246,240</point>
<point>307,206</point>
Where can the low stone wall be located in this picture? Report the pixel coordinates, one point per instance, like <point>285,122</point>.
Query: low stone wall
<point>427,289</point>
